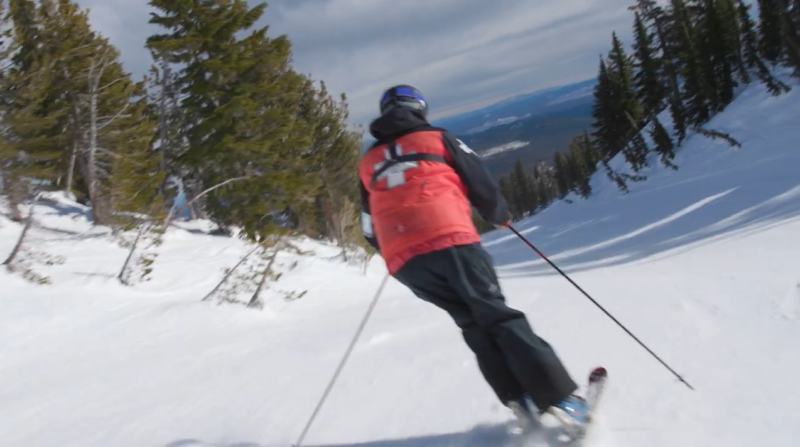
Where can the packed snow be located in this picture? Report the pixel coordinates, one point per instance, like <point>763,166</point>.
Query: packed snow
<point>699,263</point>
<point>508,147</point>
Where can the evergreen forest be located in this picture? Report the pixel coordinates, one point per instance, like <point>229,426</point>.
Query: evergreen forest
<point>687,61</point>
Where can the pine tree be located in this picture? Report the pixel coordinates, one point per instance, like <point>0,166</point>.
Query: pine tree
<point>92,110</point>
<point>67,36</point>
<point>540,194</point>
<point>134,190</point>
<point>336,151</point>
<point>616,111</point>
<point>581,169</point>
<point>790,32</point>
<point>770,42</point>
<point>524,194</point>
<point>547,184</point>
<point>604,125</point>
<point>730,16</point>
<point>663,143</point>
<point>84,101</point>
<point>563,175</point>
<point>30,156</point>
<point>241,105</point>
<point>164,110</point>
<point>650,88</point>
<point>115,127</point>
<point>627,108</point>
<point>136,166</point>
<point>23,14</point>
<point>589,152</point>
<point>31,159</point>
<point>718,43</point>
<point>662,23</point>
<point>507,190</point>
<point>621,68</point>
<point>699,96</point>
<point>751,51</point>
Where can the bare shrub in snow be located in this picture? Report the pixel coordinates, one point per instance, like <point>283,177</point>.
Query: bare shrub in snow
<point>142,252</point>
<point>246,281</point>
<point>23,257</point>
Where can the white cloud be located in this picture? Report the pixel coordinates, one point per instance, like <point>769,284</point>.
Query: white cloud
<point>460,53</point>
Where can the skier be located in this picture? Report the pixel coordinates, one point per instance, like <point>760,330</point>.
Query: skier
<point>417,183</point>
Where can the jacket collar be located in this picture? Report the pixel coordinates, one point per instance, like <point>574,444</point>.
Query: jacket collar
<point>396,123</point>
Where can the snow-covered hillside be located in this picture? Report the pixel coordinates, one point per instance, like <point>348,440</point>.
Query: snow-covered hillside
<point>703,264</point>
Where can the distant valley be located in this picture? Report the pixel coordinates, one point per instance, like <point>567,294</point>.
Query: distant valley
<point>531,127</point>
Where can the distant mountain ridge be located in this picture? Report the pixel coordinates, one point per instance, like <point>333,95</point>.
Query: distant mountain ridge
<point>549,100</point>
<point>532,126</point>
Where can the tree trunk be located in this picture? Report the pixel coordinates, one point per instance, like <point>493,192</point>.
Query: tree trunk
<point>13,200</point>
<point>96,70</point>
<point>122,277</point>
<point>78,135</point>
<point>72,161</point>
<point>230,272</point>
<point>9,262</point>
<point>92,153</point>
<point>163,131</point>
<point>16,214</point>
<point>267,270</point>
<point>163,118</point>
<point>192,213</point>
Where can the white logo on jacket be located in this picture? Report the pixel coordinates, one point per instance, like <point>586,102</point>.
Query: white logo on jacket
<point>395,175</point>
<point>465,148</point>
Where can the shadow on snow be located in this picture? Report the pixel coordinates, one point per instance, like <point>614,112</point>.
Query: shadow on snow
<point>662,216</point>
<point>480,436</point>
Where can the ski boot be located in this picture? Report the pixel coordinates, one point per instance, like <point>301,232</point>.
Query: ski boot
<point>572,412</point>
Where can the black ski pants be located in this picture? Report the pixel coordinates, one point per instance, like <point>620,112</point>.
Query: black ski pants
<point>514,361</point>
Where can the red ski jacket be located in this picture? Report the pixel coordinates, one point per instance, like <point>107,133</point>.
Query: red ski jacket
<point>417,184</point>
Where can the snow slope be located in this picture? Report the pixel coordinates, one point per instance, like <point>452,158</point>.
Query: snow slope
<point>701,263</point>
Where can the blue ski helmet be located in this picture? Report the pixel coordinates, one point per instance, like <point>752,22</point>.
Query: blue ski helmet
<point>403,96</point>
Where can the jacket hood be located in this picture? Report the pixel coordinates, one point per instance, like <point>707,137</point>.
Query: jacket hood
<point>396,123</point>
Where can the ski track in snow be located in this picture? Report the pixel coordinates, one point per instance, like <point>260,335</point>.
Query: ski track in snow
<point>700,263</point>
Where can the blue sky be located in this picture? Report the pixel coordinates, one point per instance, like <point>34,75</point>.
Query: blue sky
<point>462,54</point>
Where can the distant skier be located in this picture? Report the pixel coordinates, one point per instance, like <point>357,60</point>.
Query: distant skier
<point>417,183</point>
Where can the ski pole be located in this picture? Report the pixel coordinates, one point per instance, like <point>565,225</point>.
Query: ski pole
<point>344,361</point>
<point>598,305</point>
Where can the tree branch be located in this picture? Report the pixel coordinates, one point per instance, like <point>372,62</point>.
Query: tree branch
<point>18,247</point>
<point>172,212</point>
<point>114,118</point>
<point>230,272</point>
<point>111,83</point>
